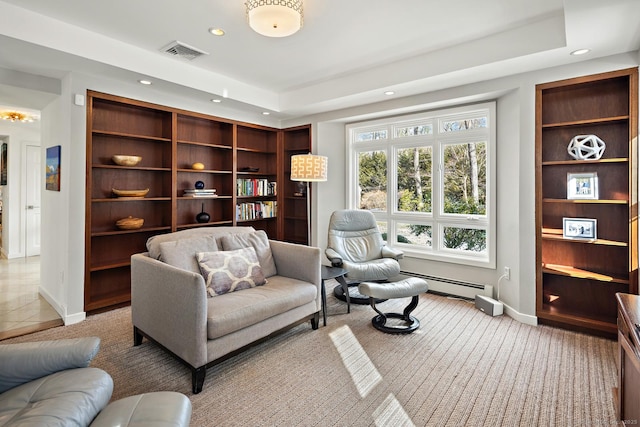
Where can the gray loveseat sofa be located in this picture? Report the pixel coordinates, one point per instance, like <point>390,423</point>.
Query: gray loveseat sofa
<point>171,302</point>
<point>50,383</point>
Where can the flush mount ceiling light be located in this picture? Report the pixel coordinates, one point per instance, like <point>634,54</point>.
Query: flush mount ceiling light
<point>16,116</point>
<point>274,18</point>
<point>144,82</point>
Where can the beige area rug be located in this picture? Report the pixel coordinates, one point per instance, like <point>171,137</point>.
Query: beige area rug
<point>461,368</point>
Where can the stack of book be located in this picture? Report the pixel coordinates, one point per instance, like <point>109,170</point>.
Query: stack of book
<point>205,192</point>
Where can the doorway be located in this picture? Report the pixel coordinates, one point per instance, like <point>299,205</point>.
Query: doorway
<point>32,168</point>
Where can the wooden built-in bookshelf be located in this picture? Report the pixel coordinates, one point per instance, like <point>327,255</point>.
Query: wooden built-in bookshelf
<point>170,141</point>
<point>577,278</point>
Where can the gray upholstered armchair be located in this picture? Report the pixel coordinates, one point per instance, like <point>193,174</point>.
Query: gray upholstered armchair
<point>50,383</point>
<point>356,244</point>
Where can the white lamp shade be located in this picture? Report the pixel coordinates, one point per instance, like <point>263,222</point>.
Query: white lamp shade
<point>308,167</point>
<point>275,18</point>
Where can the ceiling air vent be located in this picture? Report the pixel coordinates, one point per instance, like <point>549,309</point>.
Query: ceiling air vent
<point>182,50</point>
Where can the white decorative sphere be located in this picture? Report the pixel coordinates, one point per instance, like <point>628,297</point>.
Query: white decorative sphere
<point>586,147</point>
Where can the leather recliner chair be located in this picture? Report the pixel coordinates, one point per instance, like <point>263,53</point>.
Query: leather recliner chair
<point>356,244</point>
<point>50,383</point>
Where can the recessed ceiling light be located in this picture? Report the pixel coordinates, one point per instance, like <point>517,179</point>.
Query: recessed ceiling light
<point>216,31</point>
<point>580,51</point>
<point>389,93</point>
<point>265,113</point>
<point>144,82</point>
<point>216,100</point>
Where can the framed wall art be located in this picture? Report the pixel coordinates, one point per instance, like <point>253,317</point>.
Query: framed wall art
<point>579,228</point>
<point>53,168</point>
<point>3,164</point>
<point>582,185</point>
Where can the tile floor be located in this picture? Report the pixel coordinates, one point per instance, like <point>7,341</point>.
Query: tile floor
<point>22,309</point>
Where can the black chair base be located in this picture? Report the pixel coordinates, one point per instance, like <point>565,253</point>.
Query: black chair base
<point>411,323</point>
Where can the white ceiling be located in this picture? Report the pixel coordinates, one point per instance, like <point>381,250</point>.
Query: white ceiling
<point>348,52</point>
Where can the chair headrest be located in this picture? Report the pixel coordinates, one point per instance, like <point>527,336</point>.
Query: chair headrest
<point>352,220</point>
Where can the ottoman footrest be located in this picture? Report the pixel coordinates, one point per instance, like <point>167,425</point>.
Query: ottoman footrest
<point>411,287</point>
<point>163,408</point>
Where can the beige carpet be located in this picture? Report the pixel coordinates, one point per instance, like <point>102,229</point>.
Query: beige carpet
<point>461,368</point>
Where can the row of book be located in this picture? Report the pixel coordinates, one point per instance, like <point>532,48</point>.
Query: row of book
<point>255,187</point>
<point>256,210</point>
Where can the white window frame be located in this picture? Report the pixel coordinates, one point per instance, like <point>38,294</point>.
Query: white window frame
<point>437,140</point>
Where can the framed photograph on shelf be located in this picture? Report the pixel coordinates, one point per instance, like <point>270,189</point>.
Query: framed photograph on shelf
<point>582,185</point>
<point>579,228</point>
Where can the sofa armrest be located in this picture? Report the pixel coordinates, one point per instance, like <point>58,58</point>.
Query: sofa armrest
<point>388,252</point>
<point>170,305</point>
<point>24,362</point>
<point>297,261</point>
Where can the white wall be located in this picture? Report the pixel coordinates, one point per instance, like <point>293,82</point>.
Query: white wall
<point>17,135</point>
<point>58,228</point>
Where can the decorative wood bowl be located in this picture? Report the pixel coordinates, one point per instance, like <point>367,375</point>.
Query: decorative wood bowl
<point>129,223</point>
<point>130,193</point>
<point>123,160</point>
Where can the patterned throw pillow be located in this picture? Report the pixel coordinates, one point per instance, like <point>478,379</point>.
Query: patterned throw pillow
<point>228,271</point>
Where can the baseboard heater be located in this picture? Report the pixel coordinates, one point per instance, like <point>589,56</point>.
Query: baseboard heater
<point>446,286</point>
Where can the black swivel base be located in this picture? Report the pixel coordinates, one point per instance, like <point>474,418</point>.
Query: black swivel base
<point>410,322</point>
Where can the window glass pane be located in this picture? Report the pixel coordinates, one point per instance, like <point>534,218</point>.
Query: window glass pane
<point>382,226</point>
<point>371,135</point>
<point>414,234</point>
<point>414,179</point>
<point>465,239</point>
<point>463,124</point>
<point>465,178</point>
<point>372,180</point>
<point>413,130</point>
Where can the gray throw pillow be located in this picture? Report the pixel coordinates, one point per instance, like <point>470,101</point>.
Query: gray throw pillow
<point>153,243</point>
<point>259,241</point>
<point>229,271</point>
<point>182,253</point>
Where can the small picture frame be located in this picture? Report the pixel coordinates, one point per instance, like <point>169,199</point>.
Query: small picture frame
<point>582,185</point>
<point>579,228</point>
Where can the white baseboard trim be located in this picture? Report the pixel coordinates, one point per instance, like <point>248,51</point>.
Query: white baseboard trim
<point>68,319</point>
<point>52,301</point>
<point>12,255</point>
<point>520,317</point>
<point>74,318</point>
